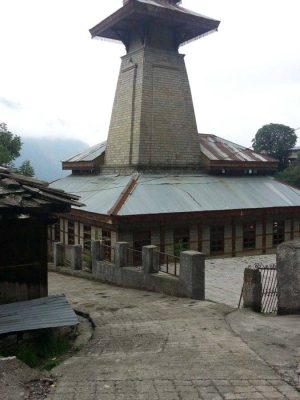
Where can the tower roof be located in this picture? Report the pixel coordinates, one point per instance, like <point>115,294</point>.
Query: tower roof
<point>188,24</point>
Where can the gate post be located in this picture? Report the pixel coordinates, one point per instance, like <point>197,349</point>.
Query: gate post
<point>288,277</point>
<point>252,293</point>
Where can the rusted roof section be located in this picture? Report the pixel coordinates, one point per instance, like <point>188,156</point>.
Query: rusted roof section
<point>215,148</point>
<point>25,194</point>
<point>47,312</point>
<point>89,154</point>
<point>88,160</point>
<point>133,12</point>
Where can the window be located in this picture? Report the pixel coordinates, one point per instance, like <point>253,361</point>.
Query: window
<point>181,240</point>
<point>141,239</point>
<point>249,236</point>
<point>217,239</point>
<point>71,233</point>
<point>278,232</point>
<point>86,237</point>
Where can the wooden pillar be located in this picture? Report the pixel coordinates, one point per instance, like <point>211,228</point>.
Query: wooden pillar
<point>264,235</point>
<point>292,228</point>
<point>233,237</point>
<point>200,238</point>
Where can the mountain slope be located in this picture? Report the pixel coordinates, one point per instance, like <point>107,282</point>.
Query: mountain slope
<point>46,155</point>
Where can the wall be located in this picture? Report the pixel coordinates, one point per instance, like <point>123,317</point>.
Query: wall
<point>190,282</point>
<point>200,235</point>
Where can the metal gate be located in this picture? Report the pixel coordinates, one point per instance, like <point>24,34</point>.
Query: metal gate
<point>269,291</point>
<point>269,301</point>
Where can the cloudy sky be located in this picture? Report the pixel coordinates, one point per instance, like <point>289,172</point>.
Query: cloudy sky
<point>56,81</point>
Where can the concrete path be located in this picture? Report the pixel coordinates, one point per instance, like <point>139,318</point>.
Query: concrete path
<point>155,347</point>
<point>224,277</point>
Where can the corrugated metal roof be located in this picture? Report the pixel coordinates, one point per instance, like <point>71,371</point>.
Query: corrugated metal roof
<point>100,192</point>
<point>174,7</point>
<point>218,149</point>
<point>89,154</point>
<point>47,312</point>
<point>156,194</point>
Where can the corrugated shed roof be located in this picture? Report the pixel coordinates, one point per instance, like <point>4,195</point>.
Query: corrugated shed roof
<point>157,194</point>
<point>47,312</point>
<point>218,149</point>
<point>89,154</point>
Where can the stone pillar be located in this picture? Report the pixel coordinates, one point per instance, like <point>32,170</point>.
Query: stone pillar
<point>76,257</point>
<point>288,277</point>
<point>96,251</point>
<point>121,254</point>
<point>150,259</point>
<point>252,293</point>
<point>192,274</point>
<point>58,254</point>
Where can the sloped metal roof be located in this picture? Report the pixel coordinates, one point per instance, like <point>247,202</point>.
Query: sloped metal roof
<point>47,312</point>
<point>157,194</point>
<point>100,192</point>
<point>218,149</point>
<point>89,154</point>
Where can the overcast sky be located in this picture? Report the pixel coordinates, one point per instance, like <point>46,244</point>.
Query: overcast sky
<point>56,81</point>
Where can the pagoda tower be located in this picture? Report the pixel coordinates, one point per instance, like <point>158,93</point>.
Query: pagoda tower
<point>153,125</point>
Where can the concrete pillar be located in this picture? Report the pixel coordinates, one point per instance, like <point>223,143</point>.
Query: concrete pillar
<point>97,253</point>
<point>58,254</point>
<point>150,259</point>
<point>252,293</point>
<point>288,277</point>
<point>192,274</point>
<point>121,254</point>
<point>76,257</point>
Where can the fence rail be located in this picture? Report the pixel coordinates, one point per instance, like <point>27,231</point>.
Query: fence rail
<point>134,258</point>
<point>109,253</point>
<point>169,264</point>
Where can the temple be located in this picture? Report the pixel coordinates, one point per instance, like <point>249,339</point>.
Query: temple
<point>156,180</point>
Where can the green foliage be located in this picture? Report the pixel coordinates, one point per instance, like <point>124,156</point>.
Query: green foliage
<point>10,147</point>
<point>28,356</point>
<point>290,175</point>
<point>26,169</point>
<point>45,352</point>
<point>275,140</point>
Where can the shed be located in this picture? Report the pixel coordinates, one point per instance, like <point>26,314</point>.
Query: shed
<point>27,206</point>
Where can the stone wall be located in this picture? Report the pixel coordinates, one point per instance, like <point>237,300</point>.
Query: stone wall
<point>190,282</point>
<point>288,277</point>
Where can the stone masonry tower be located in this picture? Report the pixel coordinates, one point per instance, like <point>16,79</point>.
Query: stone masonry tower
<point>153,123</point>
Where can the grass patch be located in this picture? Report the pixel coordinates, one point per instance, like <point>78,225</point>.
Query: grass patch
<point>46,352</point>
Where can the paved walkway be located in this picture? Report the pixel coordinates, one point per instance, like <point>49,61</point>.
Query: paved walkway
<point>155,347</point>
<point>224,277</point>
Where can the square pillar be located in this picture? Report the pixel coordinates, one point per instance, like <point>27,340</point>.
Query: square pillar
<point>150,259</point>
<point>121,254</point>
<point>288,277</point>
<point>76,257</point>
<point>58,254</point>
<point>192,274</point>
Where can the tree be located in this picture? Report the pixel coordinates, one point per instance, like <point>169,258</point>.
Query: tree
<point>26,169</point>
<point>291,175</point>
<point>275,140</point>
<point>10,147</point>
